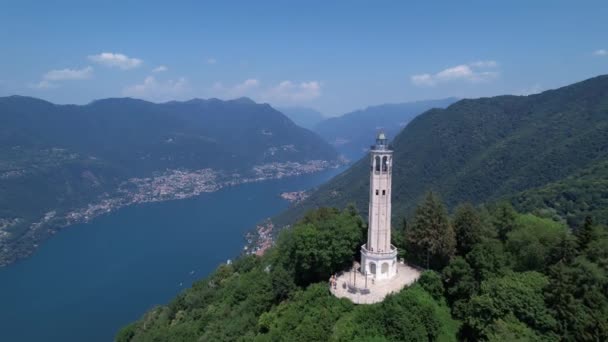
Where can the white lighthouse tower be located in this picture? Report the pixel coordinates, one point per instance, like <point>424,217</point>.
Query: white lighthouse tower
<point>378,255</point>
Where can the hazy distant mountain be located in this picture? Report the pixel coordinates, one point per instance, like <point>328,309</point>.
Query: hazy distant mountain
<point>303,116</point>
<point>55,159</point>
<point>351,132</point>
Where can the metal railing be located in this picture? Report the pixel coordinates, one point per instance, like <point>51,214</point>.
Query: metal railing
<point>393,250</point>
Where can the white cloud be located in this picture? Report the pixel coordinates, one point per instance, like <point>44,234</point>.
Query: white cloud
<point>285,92</point>
<point>211,60</point>
<point>484,64</point>
<point>155,90</point>
<point>288,91</point>
<point>249,87</point>
<point>473,72</point>
<point>68,74</point>
<point>44,84</point>
<point>116,60</point>
<point>160,68</point>
<point>600,52</point>
<point>50,79</point>
<point>423,80</point>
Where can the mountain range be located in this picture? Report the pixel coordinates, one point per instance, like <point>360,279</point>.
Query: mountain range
<point>350,133</point>
<point>61,164</point>
<point>303,116</point>
<point>547,149</point>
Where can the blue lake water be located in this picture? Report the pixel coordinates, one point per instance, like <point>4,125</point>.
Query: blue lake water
<point>91,279</point>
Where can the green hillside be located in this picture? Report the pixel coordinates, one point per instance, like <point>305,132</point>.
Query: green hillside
<point>507,277</point>
<point>486,149</point>
<point>571,199</point>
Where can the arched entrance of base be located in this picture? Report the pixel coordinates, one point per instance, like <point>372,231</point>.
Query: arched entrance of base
<point>384,268</point>
<point>372,268</point>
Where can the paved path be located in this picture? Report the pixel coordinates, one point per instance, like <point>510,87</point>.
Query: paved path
<point>378,289</point>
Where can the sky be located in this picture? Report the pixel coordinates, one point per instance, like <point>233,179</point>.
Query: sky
<point>333,56</point>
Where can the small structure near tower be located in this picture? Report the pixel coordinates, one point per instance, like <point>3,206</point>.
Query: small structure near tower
<point>379,272</point>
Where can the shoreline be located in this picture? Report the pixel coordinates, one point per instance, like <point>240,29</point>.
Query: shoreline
<point>167,186</point>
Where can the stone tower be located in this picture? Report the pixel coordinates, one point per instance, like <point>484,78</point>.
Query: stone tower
<point>378,255</point>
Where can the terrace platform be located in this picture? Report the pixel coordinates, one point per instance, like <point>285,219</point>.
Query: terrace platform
<point>360,289</point>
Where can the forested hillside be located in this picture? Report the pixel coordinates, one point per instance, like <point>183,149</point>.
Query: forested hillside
<point>493,275</point>
<point>490,148</point>
<point>572,199</point>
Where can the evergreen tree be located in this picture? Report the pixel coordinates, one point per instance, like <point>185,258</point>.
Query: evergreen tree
<point>576,295</point>
<point>460,285</point>
<point>584,234</point>
<point>487,259</point>
<point>565,251</point>
<point>283,284</point>
<point>468,228</point>
<point>430,238</point>
<point>504,217</point>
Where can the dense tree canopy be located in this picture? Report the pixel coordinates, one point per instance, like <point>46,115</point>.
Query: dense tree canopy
<point>324,242</point>
<point>540,284</point>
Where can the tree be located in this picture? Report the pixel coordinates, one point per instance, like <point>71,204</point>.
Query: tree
<point>518,295</point>
<point>487,260</point>
<point>576,295</point>
<point>584,234</point>
<point>533,241</point>
<point>326,241</point>
<point>460,284</point>
<point>564,251</point>
<point>468,228</point>
<point>398,237</point>
<point>503,219</point>
<point>282,283</point>
<point>430,238</point>
<point>597,250</point>
<point>310,315</point>
<point>430,281</point>
<point>510,329</point>
<point>410,315</point>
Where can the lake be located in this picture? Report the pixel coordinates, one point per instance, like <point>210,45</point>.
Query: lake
<point>91,279</point>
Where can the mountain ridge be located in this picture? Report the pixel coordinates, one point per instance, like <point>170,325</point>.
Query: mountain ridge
<point>350,132</point>
<point>79,161</point>
<point>483,149</point>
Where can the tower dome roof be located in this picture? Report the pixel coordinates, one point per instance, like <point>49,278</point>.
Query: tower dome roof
<point>381,136</point>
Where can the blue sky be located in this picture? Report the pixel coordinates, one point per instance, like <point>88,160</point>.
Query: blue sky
<point>331,56</point>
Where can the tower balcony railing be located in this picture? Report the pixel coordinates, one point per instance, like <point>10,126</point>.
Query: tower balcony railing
<point>381,147</point>
<point>392,252</point>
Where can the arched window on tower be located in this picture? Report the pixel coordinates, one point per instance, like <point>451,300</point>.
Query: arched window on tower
<point>384,164</point>
<point>377,163</point>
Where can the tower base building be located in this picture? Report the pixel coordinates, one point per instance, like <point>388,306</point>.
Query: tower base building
<point>382,265</point>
